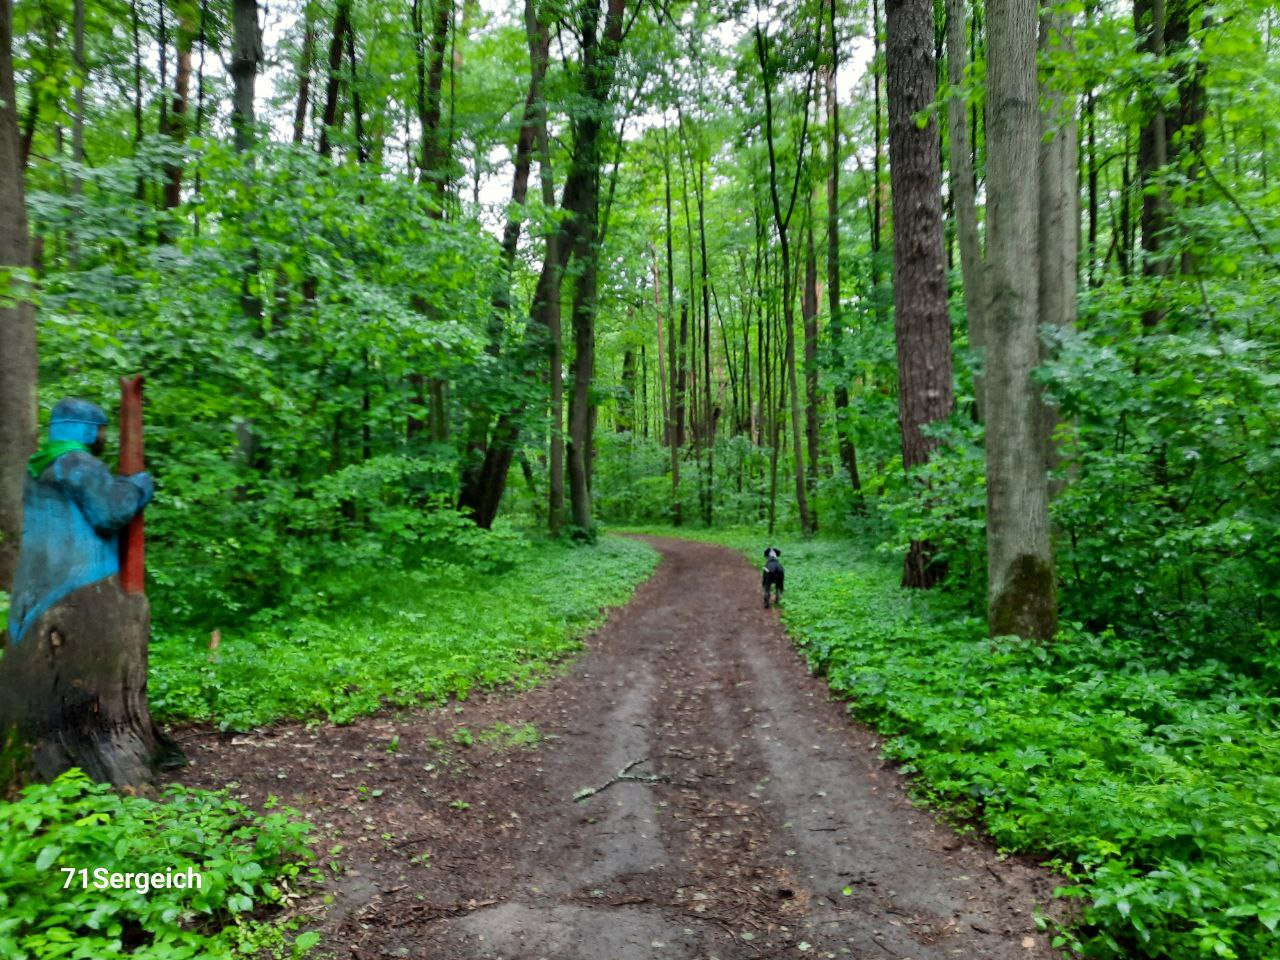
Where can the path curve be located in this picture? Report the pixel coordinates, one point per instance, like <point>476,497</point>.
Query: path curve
<point>756,805</point>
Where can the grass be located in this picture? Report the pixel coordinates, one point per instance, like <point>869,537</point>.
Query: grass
<point>1155,788</point>
<point>373,639</point>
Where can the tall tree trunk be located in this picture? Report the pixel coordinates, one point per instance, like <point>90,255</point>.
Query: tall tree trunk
<point>245,63</point>
<point>708,412</point>
<point>1059,230</point>
<point>625,421</point>
<point>431,162</point>
<point>675,357</point>
<point>1021,593</point>
<point>809,320</point>
<point>922,326</point>
<point>184,42</point>
<point>337,43</point>
<point>17,318</point>
<point>878,149</point>
<point>305,67</point>
<point>82,83</point>
<point>1153,146</point>
<point>781,222</point>
<point>357,107</point>
<point>662,355</point>
<point>972,268</point>
<point>848,454</point>
<point>582,321</point>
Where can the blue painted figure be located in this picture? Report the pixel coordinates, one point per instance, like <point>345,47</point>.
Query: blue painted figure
<point>73,508</point>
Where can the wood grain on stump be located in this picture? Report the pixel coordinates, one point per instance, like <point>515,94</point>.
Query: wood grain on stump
<point>75,689</point>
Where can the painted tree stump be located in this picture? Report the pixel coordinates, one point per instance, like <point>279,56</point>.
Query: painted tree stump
<point>75,690</point>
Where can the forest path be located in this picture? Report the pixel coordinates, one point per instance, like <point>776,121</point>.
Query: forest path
<point>766,804</point>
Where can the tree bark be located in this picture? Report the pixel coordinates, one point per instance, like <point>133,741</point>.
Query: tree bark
<point>17,318</point>
<point>809,319</point>
<point>433,146</point>
<point>341,24</point>
<point>675,358</point>
<point>963,193</point>
<point>244,69</point>
<point>848,453</point>
<point>176,126</point>
<point>921,323</point>
<point>1021,591</point>
<point>708,411</point>
<point>305,67</point>
<point>75,689</point>
<point>1153,146</point>
<point>781,222</point>
<point>1059,230</point>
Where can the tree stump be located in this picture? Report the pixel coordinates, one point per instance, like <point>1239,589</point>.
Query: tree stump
<point>75,690</point>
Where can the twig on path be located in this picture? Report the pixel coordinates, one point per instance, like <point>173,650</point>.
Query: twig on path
<point>623,774</point>
<point>405,843</point>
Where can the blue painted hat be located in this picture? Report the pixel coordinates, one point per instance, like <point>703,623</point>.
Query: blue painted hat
<point>77,420</point>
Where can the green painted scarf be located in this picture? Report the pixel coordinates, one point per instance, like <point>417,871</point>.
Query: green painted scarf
<point>49,452</point>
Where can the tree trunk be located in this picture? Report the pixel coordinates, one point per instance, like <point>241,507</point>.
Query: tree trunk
<point>662,354</point>
<point>75,689</point>
<point>1059,229</point>
<point>922,326</point>
<point>17,319</point>
<point>877,150</point>
<point>341,24</point>
<point>1153,145</point>
<point>1021,588</point>
<point>582,320</point>
<point>625,421</point>
<point>305,67</point>
<point>708,412</point>
<point>82,83</point>
<point>433,146</point>
<point>781,222</point>
<point>244,69</point>
<point>963,193</point>
<point>674,357</point>
<point>809,319</point>
<point>176,127</point>
<point>848,453</point>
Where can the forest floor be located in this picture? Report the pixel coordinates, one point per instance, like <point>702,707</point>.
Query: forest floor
<point>745,815</point>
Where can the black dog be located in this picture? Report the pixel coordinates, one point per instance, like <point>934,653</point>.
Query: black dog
<point>772,574</point>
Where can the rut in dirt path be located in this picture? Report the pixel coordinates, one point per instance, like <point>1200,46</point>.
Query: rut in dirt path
<point>751,804</point>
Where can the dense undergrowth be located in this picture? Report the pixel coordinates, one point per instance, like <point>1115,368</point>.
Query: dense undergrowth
<point>346,643</point>
<point>248,864</point>
<point>374,637</point>
<point>1152,783</point>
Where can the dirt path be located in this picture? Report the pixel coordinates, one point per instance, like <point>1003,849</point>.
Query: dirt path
<point>751,805</point>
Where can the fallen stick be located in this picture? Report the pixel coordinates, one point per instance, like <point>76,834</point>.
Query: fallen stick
<point>623,774</point>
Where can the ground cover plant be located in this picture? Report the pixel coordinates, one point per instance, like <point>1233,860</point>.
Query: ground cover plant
<point>250,865</point>
<point>368,638</point>
<point>1150,783</point>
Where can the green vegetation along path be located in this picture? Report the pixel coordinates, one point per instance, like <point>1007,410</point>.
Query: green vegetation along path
<point>741,813</point>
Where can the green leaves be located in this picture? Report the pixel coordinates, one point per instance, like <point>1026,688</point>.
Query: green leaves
<point>61,843</point>
<point>359,639</point>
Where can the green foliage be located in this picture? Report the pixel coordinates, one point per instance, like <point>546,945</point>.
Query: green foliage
<point>368,637</point>
<point>248,864</point>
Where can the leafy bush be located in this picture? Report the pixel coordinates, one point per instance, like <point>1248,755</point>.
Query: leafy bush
<point>368,637</point>
<point>246,863</point>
